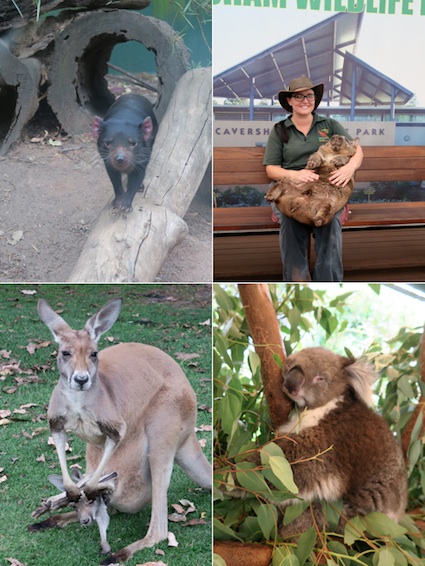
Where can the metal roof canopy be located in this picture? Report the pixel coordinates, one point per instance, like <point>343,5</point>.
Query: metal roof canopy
<point>316,52</point>
<point>324,53</point>
<point>363,85</point>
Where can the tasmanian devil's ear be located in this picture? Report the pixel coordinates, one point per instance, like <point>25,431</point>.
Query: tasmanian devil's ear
<point>147,128</point>
<point>96,126</point>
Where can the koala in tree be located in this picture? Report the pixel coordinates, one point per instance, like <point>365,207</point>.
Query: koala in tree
<point>360,460</point>
<point>317,202</point>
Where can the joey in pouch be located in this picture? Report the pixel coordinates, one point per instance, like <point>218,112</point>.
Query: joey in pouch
<point>124,139</point>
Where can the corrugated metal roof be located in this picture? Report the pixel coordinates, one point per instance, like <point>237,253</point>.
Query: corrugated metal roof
<point>371,86</point>
<point>324,52</point>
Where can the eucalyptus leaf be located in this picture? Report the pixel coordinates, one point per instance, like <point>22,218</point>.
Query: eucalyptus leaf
<point>272,455</point>
<point>380,524</point>
<point>293,511</point>
<point>221,532</point>
<point>354,530</point>
<point>305,545</point>
<point>267,519</point>
<point>218,560</point>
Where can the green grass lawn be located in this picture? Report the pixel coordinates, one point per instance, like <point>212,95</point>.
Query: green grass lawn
<point>175,318</point>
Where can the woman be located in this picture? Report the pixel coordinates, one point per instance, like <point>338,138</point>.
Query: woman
<point>290,144</point>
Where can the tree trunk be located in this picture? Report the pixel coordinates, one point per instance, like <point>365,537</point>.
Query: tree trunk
<point>19,80</point>
<point>243,554</point>
<point>132,247</point>
<point>10,16</point>
<point>265,332</point>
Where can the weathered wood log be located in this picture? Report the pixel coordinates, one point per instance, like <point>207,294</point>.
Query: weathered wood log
<point>265,333</point>
<point>26,10</point>
<point>19,80</point>
<point>132,247</point>
<point>81,53</point>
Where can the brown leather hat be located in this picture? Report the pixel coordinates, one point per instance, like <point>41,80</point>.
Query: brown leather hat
<point>301,83</point>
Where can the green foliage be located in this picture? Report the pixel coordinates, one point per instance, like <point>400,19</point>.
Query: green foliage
<point>239,197</point>
<point>308,315</point>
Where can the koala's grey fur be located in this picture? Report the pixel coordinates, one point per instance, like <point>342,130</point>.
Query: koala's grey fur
<point>361,461</point>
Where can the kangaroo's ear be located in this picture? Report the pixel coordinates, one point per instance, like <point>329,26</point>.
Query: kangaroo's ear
<point>102,321</point>
<point>57,481</point>
<point>52,320</point>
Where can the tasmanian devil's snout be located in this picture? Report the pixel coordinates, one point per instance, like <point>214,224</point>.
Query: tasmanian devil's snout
<point>124,139</point>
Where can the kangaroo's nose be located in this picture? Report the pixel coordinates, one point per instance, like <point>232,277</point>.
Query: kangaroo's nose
<point>81,380</point>
<point>85,521</point>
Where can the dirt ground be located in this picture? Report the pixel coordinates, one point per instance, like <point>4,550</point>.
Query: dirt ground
<point>50,198</point>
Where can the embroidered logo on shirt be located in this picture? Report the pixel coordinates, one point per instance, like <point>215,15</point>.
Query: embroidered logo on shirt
<point>323,135</point>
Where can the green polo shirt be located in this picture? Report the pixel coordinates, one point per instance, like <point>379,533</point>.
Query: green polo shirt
<point>295,153</point>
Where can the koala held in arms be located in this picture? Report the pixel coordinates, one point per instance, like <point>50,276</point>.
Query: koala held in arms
<point>317,202</point>
<point>360,460</point>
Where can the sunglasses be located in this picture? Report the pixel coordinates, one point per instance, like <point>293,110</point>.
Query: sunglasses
<point>300,97</point>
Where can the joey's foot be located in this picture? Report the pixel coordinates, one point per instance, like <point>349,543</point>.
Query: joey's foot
<point>73,494</point>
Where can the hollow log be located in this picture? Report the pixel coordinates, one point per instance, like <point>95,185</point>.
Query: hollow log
<point>81,53</point>
<point>19,80</point>
<point>265,332</point>
<point>11,17</point>
<point>132,247</point>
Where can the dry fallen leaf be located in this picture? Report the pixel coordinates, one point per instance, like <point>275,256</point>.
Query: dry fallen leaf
<point>5,413</point>
<point>28,292</point>
<point>31,348</point>
<point>5,354</point>
<point>15,562</point>
<point>16,237</point>
<point>172,541</point>
<point>41,458</point>
<point>186,357</point>
<point>203,427</point>
<point>206,322</point>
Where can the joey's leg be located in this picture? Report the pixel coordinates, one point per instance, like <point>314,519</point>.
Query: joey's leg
<point>161,458</point>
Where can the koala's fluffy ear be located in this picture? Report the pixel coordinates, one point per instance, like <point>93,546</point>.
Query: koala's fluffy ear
<point>361,377</point>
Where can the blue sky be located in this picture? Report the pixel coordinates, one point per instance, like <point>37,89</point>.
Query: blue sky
<point>393,44</point>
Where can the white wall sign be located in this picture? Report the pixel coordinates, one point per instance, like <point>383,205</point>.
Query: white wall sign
<point>233,133</point>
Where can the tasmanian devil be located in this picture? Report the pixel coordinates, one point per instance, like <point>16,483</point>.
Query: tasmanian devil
<point>125,138</point>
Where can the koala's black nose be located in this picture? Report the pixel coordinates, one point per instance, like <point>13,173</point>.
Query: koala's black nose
<point>293,381</point>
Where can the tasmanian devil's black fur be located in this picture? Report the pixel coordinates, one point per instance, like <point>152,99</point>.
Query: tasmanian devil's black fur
<point>125,138</point>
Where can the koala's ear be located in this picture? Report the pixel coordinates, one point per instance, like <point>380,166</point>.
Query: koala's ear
<point>361,377</point>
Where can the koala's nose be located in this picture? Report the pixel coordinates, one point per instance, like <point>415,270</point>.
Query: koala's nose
<point>293,382</point>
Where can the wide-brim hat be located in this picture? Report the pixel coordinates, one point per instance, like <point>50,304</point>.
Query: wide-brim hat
<point>296,85</point>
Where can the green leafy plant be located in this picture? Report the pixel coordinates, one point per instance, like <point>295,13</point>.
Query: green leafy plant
<point>242,423</point>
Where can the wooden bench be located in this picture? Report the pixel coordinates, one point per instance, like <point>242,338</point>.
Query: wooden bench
<point>381,241</point>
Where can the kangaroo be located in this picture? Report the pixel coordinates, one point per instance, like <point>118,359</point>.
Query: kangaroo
<point>86,510</point>
<point>134,407</point>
